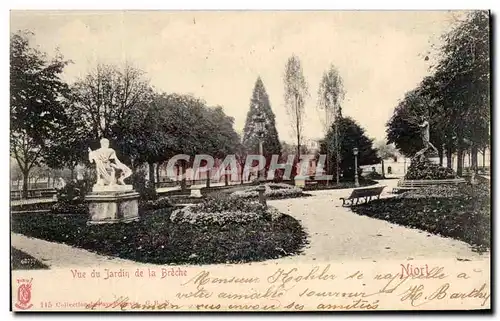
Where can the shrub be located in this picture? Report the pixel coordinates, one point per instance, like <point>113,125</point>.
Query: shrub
<point>146,190</point>
<point>69,208</point>
<point>74,192</point>
<point>427,170</point>
<point>160,203</point>
<point>71,198</point>
<point>222,212</point>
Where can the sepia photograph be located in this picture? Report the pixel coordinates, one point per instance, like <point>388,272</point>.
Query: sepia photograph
<point>250,160</point>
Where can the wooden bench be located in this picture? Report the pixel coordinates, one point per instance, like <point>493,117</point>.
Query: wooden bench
<point>365,193</point>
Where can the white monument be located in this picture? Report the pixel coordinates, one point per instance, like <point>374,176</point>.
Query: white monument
<point>111,199</point>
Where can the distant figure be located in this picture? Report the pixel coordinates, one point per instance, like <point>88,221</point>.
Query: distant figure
<point>425,132</point>
<point>389,170</point>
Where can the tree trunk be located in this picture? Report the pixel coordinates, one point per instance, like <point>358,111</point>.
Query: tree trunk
<point>484,157</point>
<point>25,184</point>
<point>474,151</point>
<point>158,173</point>
<point>448,158</point>
<point>383,169</point>
<point>325,167</point>
<point>226,180</point>
<point>441,156</point>
<point>297,125</point>
<point>152,174</point>
<point>207,179</point>
<point>460,162</point>
<point>337,153</point>
<point>72,172</point>
<point>183,181</point>
<point>48,181</point>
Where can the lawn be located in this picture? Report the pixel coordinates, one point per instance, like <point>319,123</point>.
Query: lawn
<point>22,261</point>
<point>461,212</point>
<point>155,239</point>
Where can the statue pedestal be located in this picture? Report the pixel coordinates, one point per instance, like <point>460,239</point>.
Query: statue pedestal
<point>113,206</point>
<point>112,188</point>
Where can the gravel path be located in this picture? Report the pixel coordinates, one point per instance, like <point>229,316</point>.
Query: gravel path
<point>335,234</point>
<point>57,255</point>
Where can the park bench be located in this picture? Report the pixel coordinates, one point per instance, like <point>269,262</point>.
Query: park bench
<point>365,193</point>
<point>407,185</point>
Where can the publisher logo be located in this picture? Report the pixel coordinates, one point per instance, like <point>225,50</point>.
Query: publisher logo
<point>24,294</point>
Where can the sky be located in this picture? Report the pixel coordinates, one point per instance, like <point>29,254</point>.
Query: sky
<point>218,56</point>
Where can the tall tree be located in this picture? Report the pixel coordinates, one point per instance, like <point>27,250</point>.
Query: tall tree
<point>106,95</point>
<point>296,92</point>
<point>222,138</point>
<point>36,109</point>
<point>402,128</point>
<point>260,104</point>
<point>74,138</point>
<point>351,135</point>
<point>104,103</point>
<point>455,96</point>
<point>330,96</point>
<point>463,82</point>
<point>175,124</point>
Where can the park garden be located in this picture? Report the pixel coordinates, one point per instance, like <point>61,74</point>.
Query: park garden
<point>54,124</point>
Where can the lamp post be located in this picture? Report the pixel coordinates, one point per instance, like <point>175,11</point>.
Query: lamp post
<point>356,180</point>
<point>260,125</point>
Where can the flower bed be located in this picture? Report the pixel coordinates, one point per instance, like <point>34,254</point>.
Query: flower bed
<point>426,170</point>
<point>156,239</point>
<point>461,212</point>
<point>224,211</point>
<point>272,191</point>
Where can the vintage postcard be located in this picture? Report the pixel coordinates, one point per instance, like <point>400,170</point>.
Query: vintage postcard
<point>250,160</point>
